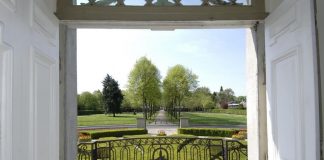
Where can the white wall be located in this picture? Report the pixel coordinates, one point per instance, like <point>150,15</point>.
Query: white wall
<point>29,79</point>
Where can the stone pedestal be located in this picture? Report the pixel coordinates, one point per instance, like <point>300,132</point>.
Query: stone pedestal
<point>184,122</point>
<point>141,123</point>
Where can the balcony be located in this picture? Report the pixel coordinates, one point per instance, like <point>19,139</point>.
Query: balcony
<point>163,148</point>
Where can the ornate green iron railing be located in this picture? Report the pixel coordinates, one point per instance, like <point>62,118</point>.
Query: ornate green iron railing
<point>235,150</point>
<point>161,2</point>
<point>163,148</point>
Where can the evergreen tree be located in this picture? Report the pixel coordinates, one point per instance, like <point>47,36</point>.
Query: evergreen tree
<point>112,95</point>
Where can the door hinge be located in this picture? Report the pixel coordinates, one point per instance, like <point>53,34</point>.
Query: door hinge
<point>321,148</point>
<point>266,156</point>
<point>255,26</point>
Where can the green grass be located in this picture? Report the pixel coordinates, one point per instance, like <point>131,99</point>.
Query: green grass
<point>194,118</point>
<point>214,118</point>
<point>230,111</point>
<point>101,119</point>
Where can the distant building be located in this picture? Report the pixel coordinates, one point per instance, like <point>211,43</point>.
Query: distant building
<point>233,105</point>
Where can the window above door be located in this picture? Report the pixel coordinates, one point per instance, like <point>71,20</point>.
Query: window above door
<point>160,10</point>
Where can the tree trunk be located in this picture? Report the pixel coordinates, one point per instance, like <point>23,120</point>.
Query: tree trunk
<point>144,107</point>
<point>170,112</point>
<point>145,115</point>
<point>151,111</point>
<point>179,109</point>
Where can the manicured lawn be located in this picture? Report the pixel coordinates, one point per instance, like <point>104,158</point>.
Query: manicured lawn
<point>101,119</point>
<point>214,118</point>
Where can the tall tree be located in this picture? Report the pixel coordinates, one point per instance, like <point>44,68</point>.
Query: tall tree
<point>177,84</point>
<point>129,102</point>
<point>199,99</point>
<point>87,101</point>
<point>215,97</point>
<point>226,96</point>
<point>230,95</point>
<point>144,84</point>
<point>112,95</point>
<point>99,98</point>
<point>241,99</point>
<point>204,97</point>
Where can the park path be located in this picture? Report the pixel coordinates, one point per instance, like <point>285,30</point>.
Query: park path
<point>161,123</point>
<point>161,119</point>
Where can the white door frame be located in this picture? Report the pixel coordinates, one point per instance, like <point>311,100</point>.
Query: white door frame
<point>320,40</point>
<point>257,122</point>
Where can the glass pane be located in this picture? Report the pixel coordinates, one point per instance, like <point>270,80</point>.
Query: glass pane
<point>228,2</point>
<point>97,2</point>
<point>82,1</point>
<point>244,2</point>
<point>191,2</point>
<point>159,2</point>
<point>163,2</point>
<point>135,2</point>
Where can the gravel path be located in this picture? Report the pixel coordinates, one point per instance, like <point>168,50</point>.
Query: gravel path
<point>161,123</point>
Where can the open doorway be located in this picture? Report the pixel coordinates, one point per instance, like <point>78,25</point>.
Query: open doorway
<point>254,51</point>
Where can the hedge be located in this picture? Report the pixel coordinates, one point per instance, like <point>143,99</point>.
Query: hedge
<point>114,133</point>
<point>214,132</point>
<point>89,112</point>
<point>230,111</point>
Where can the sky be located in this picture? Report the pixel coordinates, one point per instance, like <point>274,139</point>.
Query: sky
<point>217,56</point>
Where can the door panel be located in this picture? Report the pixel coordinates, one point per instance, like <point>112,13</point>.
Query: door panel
<point>5,99</point>
<point>285,69</point>
<point>29,80</point>
<point>291,82</point>
<point>43,111</point>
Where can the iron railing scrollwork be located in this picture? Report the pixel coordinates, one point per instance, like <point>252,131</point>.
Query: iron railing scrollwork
<point>163,148</point>
<point>235,150</point>
<point>161,3</point>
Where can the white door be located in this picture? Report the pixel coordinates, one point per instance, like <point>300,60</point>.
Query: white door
<point>29,60</point>
<point>292,82</point>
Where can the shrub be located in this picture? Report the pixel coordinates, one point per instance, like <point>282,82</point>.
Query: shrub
<point>161,133</point>
<point>230,111</point>
<point>238,136</point>
<point>241,135</point>
<point>89,112</point>
<point>216,132</point>
<point>224,105</point>
<point>84,137</point>
<point>115,133</point>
